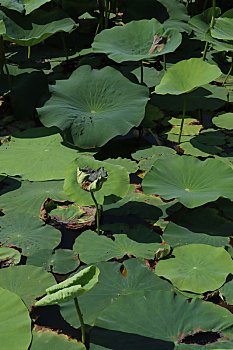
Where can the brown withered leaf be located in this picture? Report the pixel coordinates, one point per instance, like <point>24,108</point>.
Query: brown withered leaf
<point>158,43</point>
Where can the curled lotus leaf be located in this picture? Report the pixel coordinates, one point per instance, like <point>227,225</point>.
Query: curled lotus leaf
<point>92,100</point>
<point>137,40</point>
<point>91,180</point>
<point>71,288</point>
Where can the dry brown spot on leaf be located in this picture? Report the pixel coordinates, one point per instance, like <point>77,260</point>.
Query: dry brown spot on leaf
<point>158,43</point>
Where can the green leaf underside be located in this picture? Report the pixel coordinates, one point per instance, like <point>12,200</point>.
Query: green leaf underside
<point>196,268</point>
<point>92,100</point>
<point>187,75</point>
<point>191,181</point>
<point>23,5</point>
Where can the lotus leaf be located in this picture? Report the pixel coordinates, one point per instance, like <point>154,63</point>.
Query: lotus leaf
<point>222,28</point>
<point>224,121</point>
<point>196,268</point>
<point>226,291</point>
<point>46,339</point>
<point>137,40</point>
<point>126,163</point>
<point>113,286</point>
<point>197,149</point>
<point>9,256</point>
<point>37,148</point>
<point>93,248</point>
<point>28,234</point>
<point>36,27</point>
<point>22,6</point>
<point>29,197</point>
<point>28,282</point>
<point>94,100</point>
<point>201,23</point>
<point>191,126</point>
<point>168,318</point>
<point>148,156</point>
<point>117,183</point>
<point>62,261</point>
<point>15,323</point>
<point>186,76</point>
<point>177,236</point>
<point>71,288</point>
<point>189,180</point>
<point>2,27</point>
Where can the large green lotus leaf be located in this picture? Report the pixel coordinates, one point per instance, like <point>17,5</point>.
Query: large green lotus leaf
<point>133,41</point>
<point>9,256</point>
<point>36,27</point>
<point>209,97</point>
<point>27,281</point>
<point>222,28</point>
<point>224,121</point>
<point>36,154</point>
<point>201,22</point>
<point>27,233</point>
<point>28,198</point>
<point>177,236</point>
<point>197,149</point>
<point>71,288</point>
<point>15,323</point>
<point>23,6</point>
<point>62,261</point>
<point>187,75</point>
<point>92,100</point>
<point>46,339</point>
<point>189,180</point>
<point>117,182</point>
<point>112,286</point>
<point>168,317</point>
<point>196,268</point>
<point>93,248</point>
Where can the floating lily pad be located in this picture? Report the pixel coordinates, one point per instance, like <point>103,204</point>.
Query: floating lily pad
<point>23,5</point>
<point>224,121</point>
<point>198,149</point>
<point>44,339</point>
<point>9,256</point>
<point>186,76</point>
<point>28,234</point>
<point>177,236</point>
<point>15,322</point>
<point>191,181</point>
<point>196,268</point>
<point>191,126</point>
<point>149,40</point>
<point>117,182</point>
<point>62,261</point>
<point>112,286</point>
<point>29,198</point>
<point>126,163</point>
<point>91,100</point>
<point>27,281</point>
<point>148,156</point>
<point>32,29</point>
<point>37,148</point>
<point>93,248</point>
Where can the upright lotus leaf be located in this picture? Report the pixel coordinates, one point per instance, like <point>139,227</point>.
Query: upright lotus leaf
<point>36,27</point>
<point>91,101</point>
<point>2,27</point>
<point>71,288</point>
<point>164,316</point>
<point>36,154</point>
<point>191,181</point>
<point>23,6</point>
<point>117,182</point>
<point>186,76</point>
<point>222,28</point>
<point>137,40</point>
<point>196,268</point>
<point>15,322</point>
<point>201,23</point>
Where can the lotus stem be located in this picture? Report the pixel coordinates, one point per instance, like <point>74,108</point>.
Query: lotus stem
<point>226,77</point>
<point>164,63</point>
<point>183,115</point>
<point>211,26</point>
<point>97,213</point>
<point>81,320</point>
<point>29,52</point>
<point>141,72</point>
